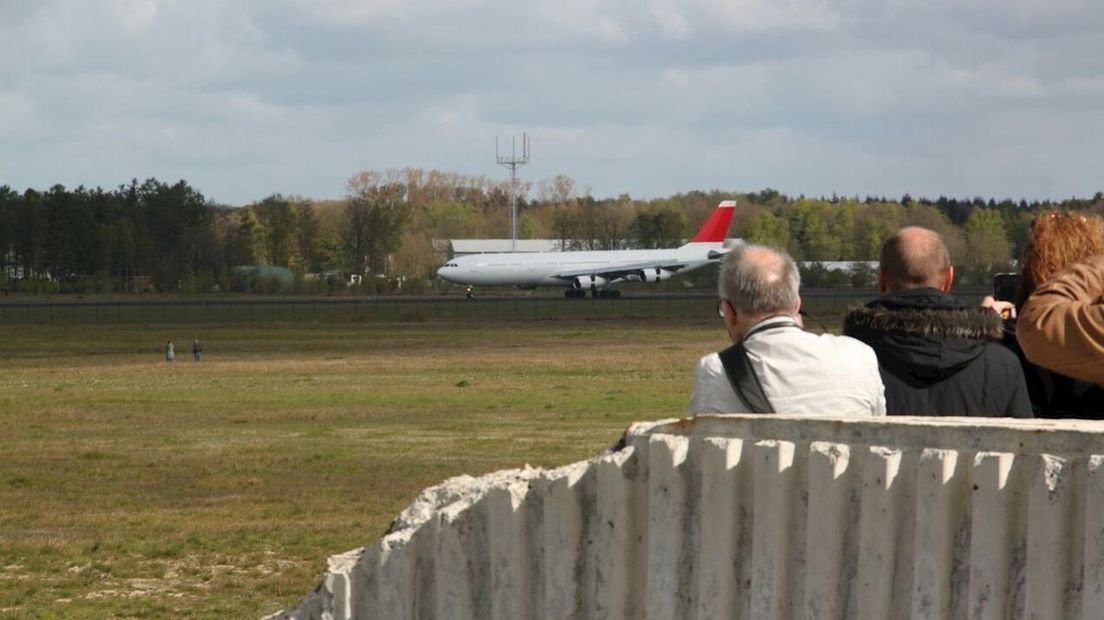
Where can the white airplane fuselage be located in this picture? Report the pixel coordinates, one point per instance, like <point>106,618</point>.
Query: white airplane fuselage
<point>547,268</point>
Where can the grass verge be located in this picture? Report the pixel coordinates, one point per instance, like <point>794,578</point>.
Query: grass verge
<point>129,487</point>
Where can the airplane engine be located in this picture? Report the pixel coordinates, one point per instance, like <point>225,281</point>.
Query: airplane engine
<point>656,274</point>
<point>586,282</point>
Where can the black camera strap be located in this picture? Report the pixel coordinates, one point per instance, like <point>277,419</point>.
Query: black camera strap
<point>742,376</point>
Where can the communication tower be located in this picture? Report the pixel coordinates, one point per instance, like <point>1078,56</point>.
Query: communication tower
<point>513,161</point>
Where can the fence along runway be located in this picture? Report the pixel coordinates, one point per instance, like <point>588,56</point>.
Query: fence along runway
<point>820,305</point>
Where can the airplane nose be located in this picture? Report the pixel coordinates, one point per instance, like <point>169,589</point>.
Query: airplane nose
<point>443,274</point>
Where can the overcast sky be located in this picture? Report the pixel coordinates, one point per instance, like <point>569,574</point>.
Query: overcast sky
<point>245,98</point>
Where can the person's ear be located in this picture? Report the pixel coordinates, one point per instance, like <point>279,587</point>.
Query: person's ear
<point>948,278</point>
<point>730,314</point>
<point>732,321</point>
<point>883,285</point>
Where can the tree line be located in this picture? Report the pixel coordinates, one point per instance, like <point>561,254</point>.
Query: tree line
<point>171,238</point>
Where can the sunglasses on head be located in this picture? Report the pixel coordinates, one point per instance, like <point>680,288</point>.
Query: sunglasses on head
<point>1055,215</point>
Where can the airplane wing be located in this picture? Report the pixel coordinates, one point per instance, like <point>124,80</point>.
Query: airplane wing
<point>618,273</point>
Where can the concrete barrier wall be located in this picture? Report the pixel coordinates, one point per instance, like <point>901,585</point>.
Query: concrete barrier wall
<point>756,517</point>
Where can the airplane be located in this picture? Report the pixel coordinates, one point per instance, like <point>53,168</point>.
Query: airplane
<point>593,271</point>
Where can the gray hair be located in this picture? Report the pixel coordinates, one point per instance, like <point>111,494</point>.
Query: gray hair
<point>758,280</point>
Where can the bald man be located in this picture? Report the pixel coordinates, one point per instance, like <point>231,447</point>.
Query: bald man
<point>937,355</point>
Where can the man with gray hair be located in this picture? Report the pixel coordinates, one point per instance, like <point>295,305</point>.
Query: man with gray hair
<point>774,365</point>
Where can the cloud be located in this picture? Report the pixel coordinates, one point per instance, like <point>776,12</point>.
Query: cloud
<point>19,113</point>
<point>764,15</point>
<point>247,97</point>
<point>669,19</point>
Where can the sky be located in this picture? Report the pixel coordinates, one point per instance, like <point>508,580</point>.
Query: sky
<point>246,98</point>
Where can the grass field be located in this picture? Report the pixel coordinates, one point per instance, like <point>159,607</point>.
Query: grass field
<point>132,488</point>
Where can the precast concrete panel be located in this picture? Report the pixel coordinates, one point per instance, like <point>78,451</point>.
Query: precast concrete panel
<point>756,517</point>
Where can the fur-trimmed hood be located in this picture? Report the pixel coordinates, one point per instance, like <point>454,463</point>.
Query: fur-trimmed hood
<point>923,332</point>
<point>969,323</point>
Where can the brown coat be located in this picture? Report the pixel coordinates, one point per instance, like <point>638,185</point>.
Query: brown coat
<point>1061,326</point>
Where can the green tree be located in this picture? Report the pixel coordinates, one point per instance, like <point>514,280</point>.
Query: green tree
<point>70,240</point>
<point>277,221</point>
<point>135,242</point>
<point>449,219</point>
<point>178,221</point>
<point>988,249</point>
<point>565,222</point>
<point>841,228</point>
<point>30,217</point>
<point>874,223</point>
<point>306,238</point>
<point>767,197</point>
<point>414,258</point>
<point>768,229</point>
<point>242,240</point>
<point>820,230</point>
<point>611,222</point>
<point>1019,230</point>
<point>8,201</point>
<point>527,227</point>
<point>661,224</point>
<point>373,222</point>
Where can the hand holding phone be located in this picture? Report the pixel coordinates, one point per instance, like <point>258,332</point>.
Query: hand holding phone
<point>1006,309</point>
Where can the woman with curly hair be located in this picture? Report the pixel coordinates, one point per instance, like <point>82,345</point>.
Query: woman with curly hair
<point>1057,241</point>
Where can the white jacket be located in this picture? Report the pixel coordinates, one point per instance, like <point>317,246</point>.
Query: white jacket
<point>800,372</point>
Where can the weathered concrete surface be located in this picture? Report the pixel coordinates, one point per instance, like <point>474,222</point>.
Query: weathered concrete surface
<point>756,517</point>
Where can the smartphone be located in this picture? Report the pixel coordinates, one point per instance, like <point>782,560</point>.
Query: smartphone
<point>1005,285</point>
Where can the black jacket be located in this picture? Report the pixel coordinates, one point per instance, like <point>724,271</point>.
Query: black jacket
<point>1055,395</point>
<point>939,356</point>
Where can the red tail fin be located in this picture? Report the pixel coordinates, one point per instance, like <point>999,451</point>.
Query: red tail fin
<point>716,227</point>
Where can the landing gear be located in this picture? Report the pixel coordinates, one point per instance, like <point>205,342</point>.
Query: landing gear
<point>596,293</point>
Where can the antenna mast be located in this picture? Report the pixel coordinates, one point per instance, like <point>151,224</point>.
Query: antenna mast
<point>513,161</point>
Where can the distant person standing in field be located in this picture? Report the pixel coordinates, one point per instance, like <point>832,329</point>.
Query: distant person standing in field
<point>197,350</point>
<point>170,354</point>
